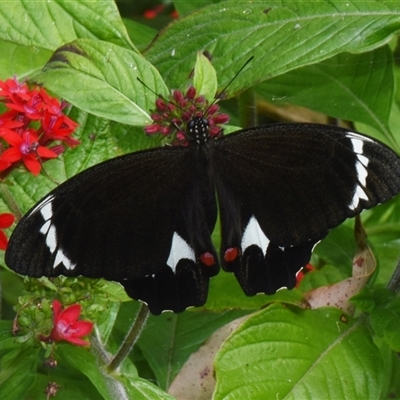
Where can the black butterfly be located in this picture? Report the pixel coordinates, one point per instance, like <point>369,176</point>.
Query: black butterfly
<point>145,219</point>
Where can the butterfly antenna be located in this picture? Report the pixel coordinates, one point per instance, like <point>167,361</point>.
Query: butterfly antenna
<point>152,91</point>
<point>228,84</point>
<point>159,95</point>
<point>233,78</point>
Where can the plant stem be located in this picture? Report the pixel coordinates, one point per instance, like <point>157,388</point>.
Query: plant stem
<point>115,388</point>
<point>247,109</point>
<point>9,200</point>
<point>394,283</point>
<point>130,339</point>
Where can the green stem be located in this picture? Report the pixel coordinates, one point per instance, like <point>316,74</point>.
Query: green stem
<point>130,339</point>
<point>247,109</point>
<point>394,282</point>
<point>9,201</point>
<point>115,387</point>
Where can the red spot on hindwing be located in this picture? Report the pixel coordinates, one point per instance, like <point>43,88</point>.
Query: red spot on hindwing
<point>207,259</point>
<point>231,254</point>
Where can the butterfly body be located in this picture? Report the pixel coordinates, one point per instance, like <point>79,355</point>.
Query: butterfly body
<point>145,219</point>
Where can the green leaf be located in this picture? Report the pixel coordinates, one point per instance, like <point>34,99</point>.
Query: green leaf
<point>106,325</point>
<point>225,294</point>
<point>299,354</point>
<point>281,35</point>
<point>140,34</point>
<point>385,320</point>
<point>102,79</point>
<point>141,389</point>
<point>85,362</point>
<point>205,78</point>
<point>186,7</point>
<point>50,24</point>
<point>360,88</point>
<point>18,371</point>
<point>21,60</point>
<point>338,248</point>
<point>391,372</point>
<point>368,299</point>
<point>7,341</point>
<point>31,30</point>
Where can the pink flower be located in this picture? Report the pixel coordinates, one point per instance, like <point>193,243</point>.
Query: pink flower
<point>66,325</point>
<point>171,116</point>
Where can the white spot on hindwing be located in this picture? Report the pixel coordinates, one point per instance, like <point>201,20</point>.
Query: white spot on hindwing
<point>253,235</point>
<point>179,249</point>
<point>50,233</point>
<point>361,169</point>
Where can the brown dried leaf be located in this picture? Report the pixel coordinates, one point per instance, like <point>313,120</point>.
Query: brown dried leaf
<point>338,294</point>
<point>196,379</point>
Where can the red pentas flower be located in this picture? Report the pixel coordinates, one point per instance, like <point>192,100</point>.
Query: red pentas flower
<point>33,122</point>
<point>66,325</point>
<point>171,116</point>
<point>26,147</point>
<point>6,220</point>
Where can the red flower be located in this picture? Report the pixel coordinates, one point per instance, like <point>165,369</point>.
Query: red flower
<point>58,127</point>
<point>31,108</point>
<point>66,325</point>
<point>33,121</point>
<point>8,122</point>
<point>27,149</point>
<point>11,88</point>
<point>6,220</point>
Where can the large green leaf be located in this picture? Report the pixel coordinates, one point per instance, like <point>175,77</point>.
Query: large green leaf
<point>31,30</point>
<point>297,354</point>
<point>356,87</point>
<point>102,78</point>
<point>48,24</point>
<point>18,371</point>
<point>281,35</point>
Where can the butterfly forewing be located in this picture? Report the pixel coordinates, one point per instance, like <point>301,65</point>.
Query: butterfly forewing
<point>300,180</point>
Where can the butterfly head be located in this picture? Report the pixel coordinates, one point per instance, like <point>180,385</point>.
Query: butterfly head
<point>185,118</point>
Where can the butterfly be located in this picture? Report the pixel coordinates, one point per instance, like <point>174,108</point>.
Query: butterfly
<point>145,219</point>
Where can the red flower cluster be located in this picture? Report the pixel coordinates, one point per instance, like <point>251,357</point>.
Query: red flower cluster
<point>33,121</point>
<point>6,220</point>
<point>172,116</point>
<point>66,325</point>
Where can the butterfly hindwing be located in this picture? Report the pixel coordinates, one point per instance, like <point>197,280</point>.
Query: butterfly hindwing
<point>286,185</point>
<point>131,218</point>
